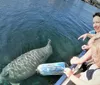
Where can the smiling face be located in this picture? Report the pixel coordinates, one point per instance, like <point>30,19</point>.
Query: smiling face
<point>96,23</point>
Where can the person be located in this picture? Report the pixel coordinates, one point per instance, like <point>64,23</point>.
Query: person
<point>87,55</point>
<point>96,26</point>
<point>92,75</point>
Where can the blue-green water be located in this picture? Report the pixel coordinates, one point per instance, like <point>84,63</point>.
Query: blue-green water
<point>28,24</point>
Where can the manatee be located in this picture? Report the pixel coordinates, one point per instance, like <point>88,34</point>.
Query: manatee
<point>25,65</point>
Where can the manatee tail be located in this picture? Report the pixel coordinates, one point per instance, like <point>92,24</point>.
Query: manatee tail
<point>48,48</point>
<point>49,42</point>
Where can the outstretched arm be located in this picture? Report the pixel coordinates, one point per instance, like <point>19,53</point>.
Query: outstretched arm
<point>77,81</point>
<point>84,36</point>
<point>84,58</point>
<point>94,81</point>
<point>74,78</point>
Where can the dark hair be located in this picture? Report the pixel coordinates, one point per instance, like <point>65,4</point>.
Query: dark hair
<point>96,14</point>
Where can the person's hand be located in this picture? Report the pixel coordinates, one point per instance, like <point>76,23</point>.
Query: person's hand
<point>84,36</point>
<point>75,60</point>
<point>68,72</point>
<point>85,47</point>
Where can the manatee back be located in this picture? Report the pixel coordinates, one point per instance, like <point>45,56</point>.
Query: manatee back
<point>45,52</point>
<point>25,65</point>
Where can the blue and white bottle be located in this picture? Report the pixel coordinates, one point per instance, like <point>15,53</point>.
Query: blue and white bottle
<point>51,68</point>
